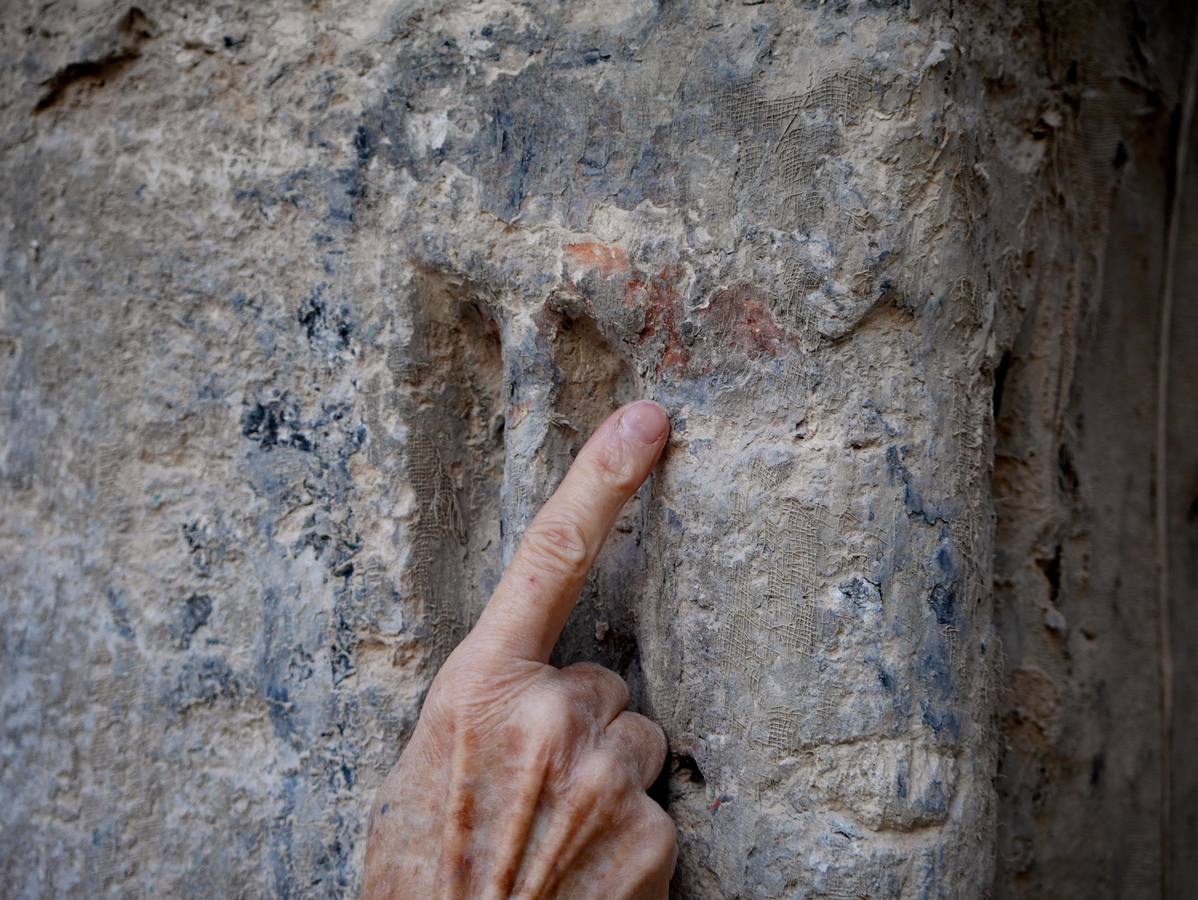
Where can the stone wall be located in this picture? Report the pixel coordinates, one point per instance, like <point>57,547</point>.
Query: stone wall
<point>307,305</point>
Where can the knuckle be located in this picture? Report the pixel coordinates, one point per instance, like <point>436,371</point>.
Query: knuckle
<point>661,747</point>
<point>596,684</point>
<point>612,679</point>
<point>649,736</point>
<point>659,834</point>
<point>586,667</point>
<point>655,737</point>
<point>448,684</point>
<point>619,772</point>
<point>551,715</point>
<point>586,792</point>
<point>557,547</point>
<point>615,467</point>
<point>441,701</point>
<point>454,689</point>
<point>602,776</point>
<point>594,780</point>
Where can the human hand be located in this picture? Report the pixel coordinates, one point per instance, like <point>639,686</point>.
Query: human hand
<point>522,779</point>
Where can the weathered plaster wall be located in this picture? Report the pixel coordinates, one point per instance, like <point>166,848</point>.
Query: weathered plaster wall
<point>305,307</point>
<point>1075,490</point>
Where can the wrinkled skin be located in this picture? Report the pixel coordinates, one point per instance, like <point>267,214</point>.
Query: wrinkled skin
<point>523,779</point>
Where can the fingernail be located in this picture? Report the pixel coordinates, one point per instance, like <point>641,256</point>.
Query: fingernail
<point>645,422</point>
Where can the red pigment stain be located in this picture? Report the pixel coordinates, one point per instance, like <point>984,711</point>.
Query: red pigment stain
<point>603,258</point>
<point>658,297</point>
<point>517,413</point>
<point>740,316</point>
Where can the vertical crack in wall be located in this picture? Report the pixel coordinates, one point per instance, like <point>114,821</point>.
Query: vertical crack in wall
<point>592,378</point>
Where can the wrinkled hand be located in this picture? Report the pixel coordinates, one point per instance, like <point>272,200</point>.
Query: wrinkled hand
<point>522,779</point>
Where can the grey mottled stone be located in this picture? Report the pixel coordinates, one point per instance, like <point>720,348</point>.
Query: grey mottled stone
<point>306,307</point>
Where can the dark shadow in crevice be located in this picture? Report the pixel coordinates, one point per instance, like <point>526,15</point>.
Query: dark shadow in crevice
<point>592,379</point>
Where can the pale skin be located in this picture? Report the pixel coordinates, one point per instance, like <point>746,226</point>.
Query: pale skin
<point>522,779</point>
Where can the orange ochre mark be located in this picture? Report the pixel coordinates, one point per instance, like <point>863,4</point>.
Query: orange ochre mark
<point>517,413</point>
<point>605,259</point>
<point>659,299</point>
<point>742,317</point>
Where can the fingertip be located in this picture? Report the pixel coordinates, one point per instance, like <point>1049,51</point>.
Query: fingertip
<point>643,422</point>
<point>540,587</point>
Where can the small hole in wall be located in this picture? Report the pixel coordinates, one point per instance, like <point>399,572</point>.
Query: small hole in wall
<point>687,769</point>
<point>1051,568</point>
<point>680,775</point>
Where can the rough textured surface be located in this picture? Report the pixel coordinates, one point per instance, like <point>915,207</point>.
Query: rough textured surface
<point>305,307</point>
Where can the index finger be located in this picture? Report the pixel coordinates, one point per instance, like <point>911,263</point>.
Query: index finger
<point>541,585</point>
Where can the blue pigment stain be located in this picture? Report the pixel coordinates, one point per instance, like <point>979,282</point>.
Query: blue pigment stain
<point>943,601</point>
